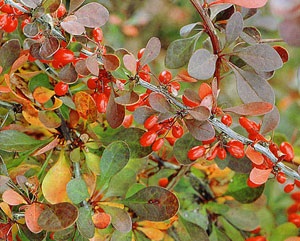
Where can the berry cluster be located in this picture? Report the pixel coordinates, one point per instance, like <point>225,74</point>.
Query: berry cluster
<point>8,17</point>
<point>293,210</point>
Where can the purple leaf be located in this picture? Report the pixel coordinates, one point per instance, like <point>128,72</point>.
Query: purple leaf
<point>253,108</point>
<point>159,103</point>
<point>270,121</point>
<point>200,130</point>
<point>151,52</point>
<point>234,27</point>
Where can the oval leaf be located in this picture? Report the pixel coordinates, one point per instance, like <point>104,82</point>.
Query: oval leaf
<point>270,121</point>
<point>245,3</point>
<point>253,108</point>
<point>111,62</point>
<point>115,112</point>
<point>32,214</point>
<point>261,57</point>
<point>13,198</point>
<point>255,156</point>
<point>92,15</point>
<point>159,103</point>
<point>9,52</point>
<point>85,223</point>
<point>234,27</point>
<point>68,74</point>
<point>49,119</point>
<point>42,94</point>
<point>58,216</point>
<point>200,113</point>
<point>153,204</point>
<point>77,190</point>
<point>202,64</point>
<point>201,130</point>
<point>54,186</point>
<point>85,106</point>
<point>71,25</point>
<point>151,52</point>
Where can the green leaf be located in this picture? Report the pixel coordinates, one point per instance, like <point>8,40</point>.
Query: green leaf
<point>15,141</point>
<point>153,204</point>
<point>39,80</point>
<point>187,231</point>
<point>202,64</point>
<point>218,235</point>
<point>261,57</point>
<point>241,218</point>
<point>241,192</point>
<point>120,219</point>
<point>85,223</point>
<point>129,135</point>
<point>119,236</point>
<point>26,234</point>
<point>231,231</point>
<point>284,231</point>
<point>182,146</point>
<point>9,52</point>
<point>65,234</point>
<point>179,52</point>
<point>217,208</point>
<point>114,159</point>
<point>77,190</point>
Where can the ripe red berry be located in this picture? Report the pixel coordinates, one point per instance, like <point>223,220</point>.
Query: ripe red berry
<point>6,8</point>
<point>297,183</point>
<point>250,126</point>
<point>221,153</point>
<point>158,144</point>
<point>97,35</point>
<point>148,138</point>
<point>196,152</point>
<point>211,155</point>
<point>287,149</point>
<point>235,148</point>
<point>177,131</point>
<point>295,219</point>
<point>252,184</point>
<point>289,187</point>
<point>226,120</point>
<point>296,196</point>
<point>165,77</point>
<point>92,83</point>
<point>101,102</point>
<point>61,88</point>
<point>127,122</point>
<point>150,121</point>
<point>281,178</point>
<point>63,57</point>
<point>209,141</point>
<point>61,11</point>
<point>11,24</point>
<point>163,182</point>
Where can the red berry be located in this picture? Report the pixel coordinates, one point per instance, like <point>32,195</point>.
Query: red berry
<point>150,121</point>
<point>196,152</point>
<point>211,155</point>
<point>221,153</point>
<point>63,57</point>
<point>295,219</point>
<point>127,122</point>
<point>163,182</point>
<point>11,24</point>
<point>294,208</point>
<point>171,140</point>
<point>297,183</point>
<point>289,187</point>
<point>97,35</point>
<point>209,141</point>
<point>236,148</point>
<point>158,144</point>
<point>140,53</point>
<point>226,120</point>
<point>252,184</point>
<point>6,8</point>
<point>148,138</point>
<point>101,102</point>
<point>281,178</point>
<point>165,77</point>
<point>177,131</point>
<point>61,88</point>
<point>287,149</point>
<point>296,196</point>
<point>61,11</point>
<point>250,126</point>
<point>3,20</point>
<point>92,83</point>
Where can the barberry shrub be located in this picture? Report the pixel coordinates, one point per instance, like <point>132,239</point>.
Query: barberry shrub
<point>104,143</point>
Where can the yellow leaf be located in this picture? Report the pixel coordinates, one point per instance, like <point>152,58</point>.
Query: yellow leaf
<point>152,233</point>
<point>54,186</point>
<point>41,94</point>
<point>6,209</point>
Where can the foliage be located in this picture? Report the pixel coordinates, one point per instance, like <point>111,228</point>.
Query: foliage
<point>99,143</point>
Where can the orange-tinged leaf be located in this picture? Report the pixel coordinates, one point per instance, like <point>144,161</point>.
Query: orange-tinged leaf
<point>31,115</point>
<point>48,147</point>
<point>259,176</point>
<point>1,69</point>
<point>32,213</point>
<point>57,103</point>
<point>243,3</point>
<point>4,89</point>
<point>152,233</point>
<point>204,90</point>
<point>42,94</point>
<point>54,186</point>
<point>85,106</point>
<point>13,198</point>
<point>19,62</point>
<point>159,225</point>
<point>21,99</point>
<point>256,157</point>
<point>6,209</point>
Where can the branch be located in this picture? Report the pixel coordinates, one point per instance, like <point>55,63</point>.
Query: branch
<point>264,149</point>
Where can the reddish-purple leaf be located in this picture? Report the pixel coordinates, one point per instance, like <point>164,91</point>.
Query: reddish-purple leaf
<point>50,6</point>
<point>159,103</point>
<point>130,63</point>
<point>251,87</point>
<point>92,15</point>
<point>142,113</point>
<point>74,4</point>
<point>253,108</point>
<point>49,47</point>
<point>200,130</point>
<point>251,35</point>
<point>244,3</point>
<point>111,62</point>
<point>128,98</point>
<point>234,27</point>
<point>92,64</point>
<point>115,112</point>
<point>68,74</point>
<point>270,121</point>
<point>259,176</point>
<point>202,64</point>
<point>261,57</point>
<point>81,67</point>
<point>289,31</point>
<point>200,113</point>
<point>151,52</point>
<point>72,26</point>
